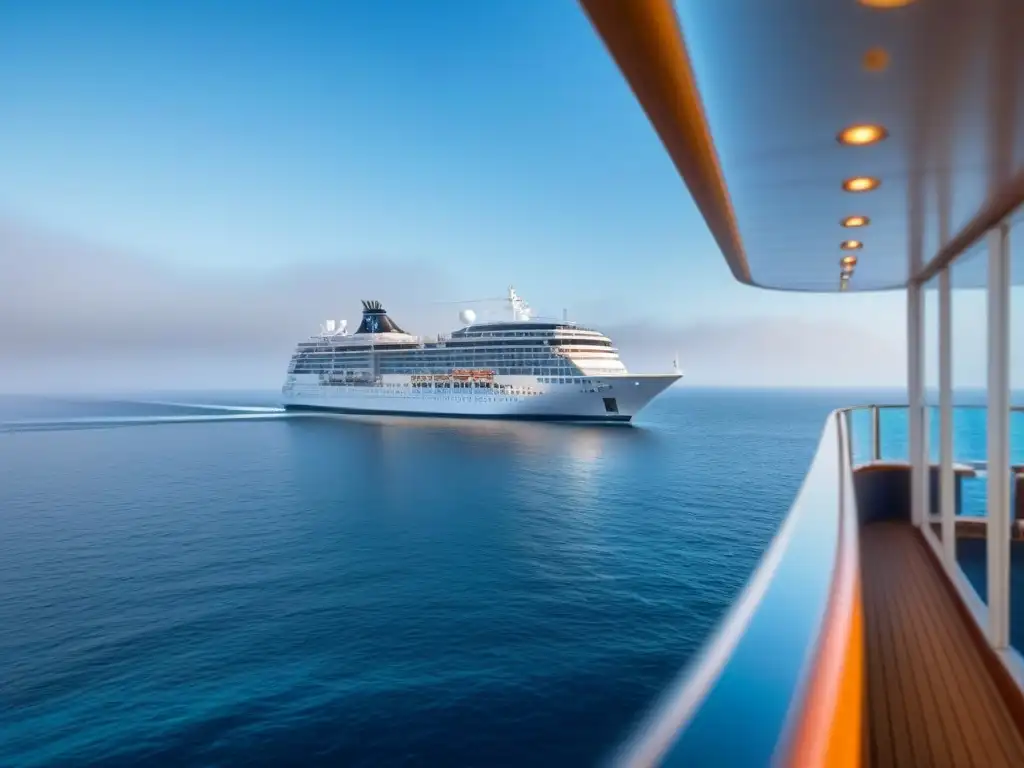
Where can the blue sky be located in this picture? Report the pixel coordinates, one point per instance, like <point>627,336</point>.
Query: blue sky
<point>493,142</point>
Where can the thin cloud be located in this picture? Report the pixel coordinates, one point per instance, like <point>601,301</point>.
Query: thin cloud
<point>75,315</point>
<point>61,296</point>
<point>773,351</point>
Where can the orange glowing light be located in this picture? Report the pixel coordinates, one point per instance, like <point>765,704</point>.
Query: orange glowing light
<point>875,60</point>
<point>886,3</point>
<point>851,245</point>
<point>855,221</point>
<point>861,184</point>
<point>861,135</point>
<point>848,263</point>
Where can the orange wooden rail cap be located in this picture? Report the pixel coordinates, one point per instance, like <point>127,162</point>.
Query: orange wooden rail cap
<point>827,725</point>
<point>644,39</point>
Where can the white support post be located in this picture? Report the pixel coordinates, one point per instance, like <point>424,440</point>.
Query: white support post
<point>947,483</point>
<point>998,428</point>
<point>915,386</point>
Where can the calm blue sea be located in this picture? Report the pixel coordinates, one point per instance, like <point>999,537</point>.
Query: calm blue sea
<point>188,580</point>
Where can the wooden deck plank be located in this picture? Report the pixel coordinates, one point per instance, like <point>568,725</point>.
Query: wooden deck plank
<point>955,739</point>
<point>935,646</point>
<point>919,611</point>
<point>905,741</point>
<point>931,700</point>
<point>975,718</point>
<point>877,722</point>
<point>922,690</point>
<point>987,718</point>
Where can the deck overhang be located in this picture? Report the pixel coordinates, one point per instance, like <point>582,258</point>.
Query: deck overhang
<point>750,119</point>
<point>643,37</point>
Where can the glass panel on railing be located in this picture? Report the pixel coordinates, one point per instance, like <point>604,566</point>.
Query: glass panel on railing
<point>859,424</point>
<point>894,427</point>
<point>1017,433</point>
<point>932,436</point>
<point>970,371</point>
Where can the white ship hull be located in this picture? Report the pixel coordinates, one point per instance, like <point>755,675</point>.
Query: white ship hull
<point>610,399</point>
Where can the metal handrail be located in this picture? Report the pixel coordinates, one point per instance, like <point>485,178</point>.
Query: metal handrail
<point>875,409</point>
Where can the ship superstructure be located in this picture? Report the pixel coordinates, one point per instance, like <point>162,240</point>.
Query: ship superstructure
<point>522,368</point>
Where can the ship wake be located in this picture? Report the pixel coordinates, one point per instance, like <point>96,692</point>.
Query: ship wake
<point>106,422</point>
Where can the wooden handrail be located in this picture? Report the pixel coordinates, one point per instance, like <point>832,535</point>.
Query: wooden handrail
<point>827,731</point>
<point>826,725</point>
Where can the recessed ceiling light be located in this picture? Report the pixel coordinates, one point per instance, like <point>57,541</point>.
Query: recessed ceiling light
<point>848,262</point>
<point>851,245</point>
<point>861,184</point>
<point>855,221</point>
<point>861,135</point>
<point>885,3</point>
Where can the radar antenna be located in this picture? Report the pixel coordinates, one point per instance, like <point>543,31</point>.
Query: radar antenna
<point>334,328</point>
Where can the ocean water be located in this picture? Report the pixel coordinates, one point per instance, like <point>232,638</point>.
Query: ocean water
<point>196,579</point>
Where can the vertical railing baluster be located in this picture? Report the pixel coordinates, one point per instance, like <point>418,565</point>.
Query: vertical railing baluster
<point>876,433</point>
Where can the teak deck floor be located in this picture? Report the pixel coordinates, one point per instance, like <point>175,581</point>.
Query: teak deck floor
<point>931,701</point>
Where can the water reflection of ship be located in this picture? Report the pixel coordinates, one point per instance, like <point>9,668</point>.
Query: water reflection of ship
<point>577,442</point>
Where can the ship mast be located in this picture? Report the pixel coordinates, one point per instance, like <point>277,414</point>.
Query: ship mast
<point>520,309</point>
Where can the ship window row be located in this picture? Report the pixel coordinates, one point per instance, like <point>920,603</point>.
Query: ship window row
<point>552,342</point>
<point>465,361</point>
<point>577,380</point>
<point>541,343</point>
<point>499,370</point>
<point>513,370</point>
<point>546,364</point>
<point>523,334</point>
<point>460,347</point>
<point>474,356</point>
<point>587,337</point>
<point>321,348</point>
<point>346,359</point>
<point>455,357</point>
<point>460,361</point>
<point>464,339</point>
<point>442,365</point>
<point>510,327</point>
<point>519,328</point>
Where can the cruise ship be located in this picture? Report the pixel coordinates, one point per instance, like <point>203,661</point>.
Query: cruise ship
<point>521,368</point>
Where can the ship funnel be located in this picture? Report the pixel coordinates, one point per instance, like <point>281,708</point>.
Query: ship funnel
<point>376,320</point>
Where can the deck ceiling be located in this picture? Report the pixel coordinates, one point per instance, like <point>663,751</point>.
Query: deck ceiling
<point>778,80</point>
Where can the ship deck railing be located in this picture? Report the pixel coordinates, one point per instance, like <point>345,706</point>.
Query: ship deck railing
<point>857,641</point>
<point>880,627</point>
